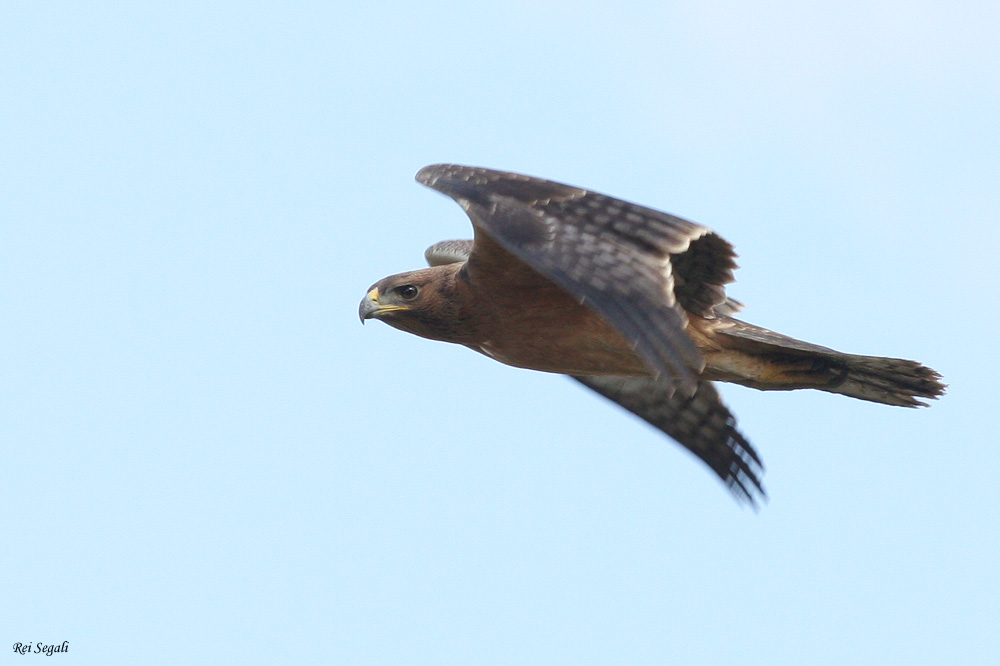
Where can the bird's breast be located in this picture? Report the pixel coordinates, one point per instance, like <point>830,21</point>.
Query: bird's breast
<point>568,340</point>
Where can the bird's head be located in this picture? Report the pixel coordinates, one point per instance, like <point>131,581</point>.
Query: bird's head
<point>421,302</point>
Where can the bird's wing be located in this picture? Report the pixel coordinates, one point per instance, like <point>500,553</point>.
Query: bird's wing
<point>700,423</point>
<point>640,269</point>
<point>448,252</point>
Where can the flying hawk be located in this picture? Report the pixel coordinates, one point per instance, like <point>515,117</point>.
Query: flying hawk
<point>628,301</point>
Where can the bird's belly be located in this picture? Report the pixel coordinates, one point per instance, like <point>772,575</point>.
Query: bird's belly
<point>588,351</point>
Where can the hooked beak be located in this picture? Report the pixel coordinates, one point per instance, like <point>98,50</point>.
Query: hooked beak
<point>371,309</point>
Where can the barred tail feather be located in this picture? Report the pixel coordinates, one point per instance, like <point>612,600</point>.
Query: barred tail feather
<point>765,360</point>
<point>891,381</point>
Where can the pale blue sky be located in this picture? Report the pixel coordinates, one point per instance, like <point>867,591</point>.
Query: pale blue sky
<point>209,460</point>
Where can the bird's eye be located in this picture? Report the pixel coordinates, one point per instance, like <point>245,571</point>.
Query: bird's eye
<point>408,292</point>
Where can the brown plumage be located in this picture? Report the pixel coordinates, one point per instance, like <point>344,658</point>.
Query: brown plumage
<point>627,300</point>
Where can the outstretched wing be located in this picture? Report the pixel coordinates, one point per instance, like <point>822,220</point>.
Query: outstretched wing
<point>640,269</point>
<point>700,423</point>
<point>448,252</point>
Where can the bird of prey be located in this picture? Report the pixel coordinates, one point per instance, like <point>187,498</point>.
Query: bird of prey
<point>628,301</point>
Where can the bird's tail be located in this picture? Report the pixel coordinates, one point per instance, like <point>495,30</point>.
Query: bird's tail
<point>892,381</point>
<point>767,360</point>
